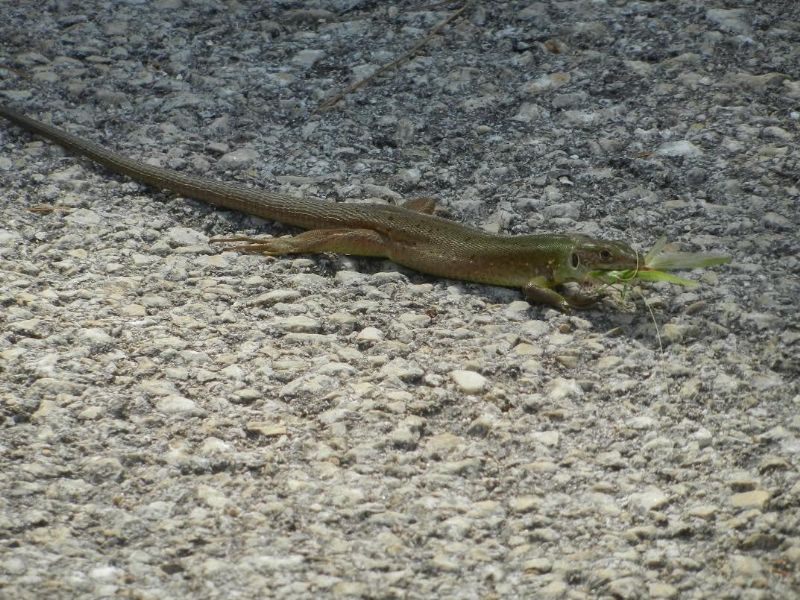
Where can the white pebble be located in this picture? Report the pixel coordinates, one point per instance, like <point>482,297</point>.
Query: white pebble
<point>469,382</point>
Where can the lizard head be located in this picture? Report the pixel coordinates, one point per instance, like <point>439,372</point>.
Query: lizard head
<point>587,254</point>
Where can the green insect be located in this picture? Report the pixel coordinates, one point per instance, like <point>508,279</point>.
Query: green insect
<point>658,261</point>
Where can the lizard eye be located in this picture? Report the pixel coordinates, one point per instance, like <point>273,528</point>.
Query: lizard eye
<point>574,260</point>
<point>605,254</point>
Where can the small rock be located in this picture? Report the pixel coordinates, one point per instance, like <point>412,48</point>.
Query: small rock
<point>265,428</point>
<point>679,148</point>
<point>442,562</point>
<point>546,82</point>
<point>561,389</point>
<point>703,437</point>
<point>274,297</point>
<point>307,58</point>
<point>83,216</point>
<point>626,587</point>
<point>651,499</point>
<point>524,504</point>
<point>662,590</point>
<point>774,220</point>
<point>745,566</point>
<point>778,133</point>
<point>482,425</point>
<point>547,438</point>
<point>173,405</point>
<point>554,589</point>
<point>96,337</point>
<point>238,159</point>
<point>102,468</point>
<point>28,327</point>
<point>528,111</point>
<point>761,541</point>
<point>370,334</point>
<point>184,236</point>
<point>537,565</point>
<point>9,238</point>
<point>440,445</point>
<point>213,445</point>
<point>106,572</point>
<point>535,329</point>
<point>409,176</point>
<point>755,499</point>
<point>402,437</point>
<point>793,554</point>
<point>13,566</point>
<point>212,496</point>
<point>299,324</point>
<point>703,511</point>
<point>469,382</point>
<point>674,332</point>
<point>731,20</point>
<point>773,463</point>
<point>641,423</point>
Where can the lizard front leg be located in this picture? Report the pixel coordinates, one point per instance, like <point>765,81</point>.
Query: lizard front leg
<point>536,290</point>
<point>358,242</point>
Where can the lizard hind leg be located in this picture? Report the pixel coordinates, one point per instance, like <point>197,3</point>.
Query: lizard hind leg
<point>358,242</point>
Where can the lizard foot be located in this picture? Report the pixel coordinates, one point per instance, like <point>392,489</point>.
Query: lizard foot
<point>266,246</point>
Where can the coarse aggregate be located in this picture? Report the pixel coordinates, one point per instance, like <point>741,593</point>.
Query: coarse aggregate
<point>178,421</point>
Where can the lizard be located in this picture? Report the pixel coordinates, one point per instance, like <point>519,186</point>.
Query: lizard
<point>409,235</point>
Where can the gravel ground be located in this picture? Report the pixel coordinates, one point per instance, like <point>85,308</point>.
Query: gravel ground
<point>180,422</point>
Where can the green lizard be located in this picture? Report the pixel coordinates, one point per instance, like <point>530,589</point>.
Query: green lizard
<point>537,264</point>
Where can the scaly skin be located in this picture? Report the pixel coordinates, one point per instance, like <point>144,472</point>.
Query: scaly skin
<point>426,243</point>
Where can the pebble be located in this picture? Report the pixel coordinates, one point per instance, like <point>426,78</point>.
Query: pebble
<point>8,238</point>
<point>177,405</point>
<point>650,499</point>
<point>306,58</point>
<point>184,236</point>
<point>441,445</point>
<point>469,382</point>
<point>238,159</point>
<point>529,111</point>
<point>106,572</point>
<point>703,511</point>
<point>212,497</point>
<point>745,566</point>
<point>525,504</point>
<point>662,590</point>
<point>96,337</point>
<point>482,426</point>
<point>299,324</point>
<point>679,148</point>
<point>547,438</point>
<point>777,221</point>
<point>562,389</point>
<point>554,589</point>
<point>753,499</point>
<point>546,82</point>
<point>730,19</point>
<point>410,176</point>
<point>538,565</point>
<point>626,587</point>
<point>83,217</point>
<point>370,334</point>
